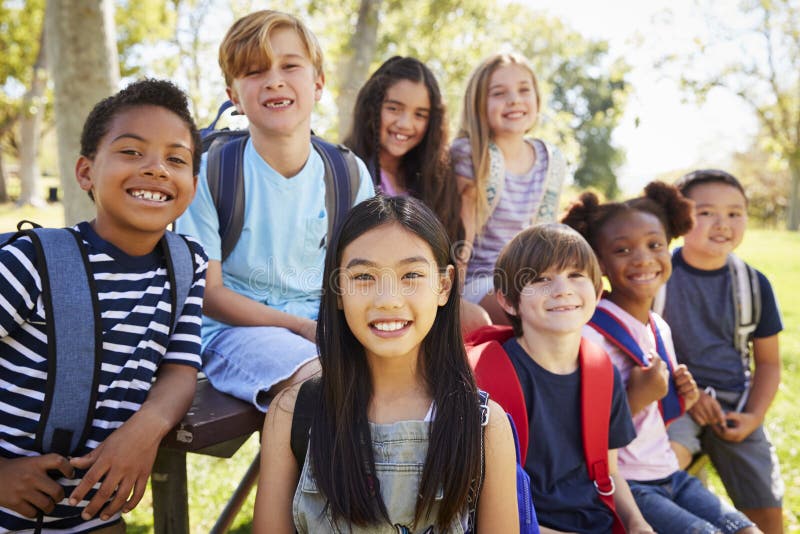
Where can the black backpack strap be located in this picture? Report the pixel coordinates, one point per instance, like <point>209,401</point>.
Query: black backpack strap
<point>180,270</point>
<point>225,176</point>
<point>341,181</point>
<point>307,398</point>
<point>475,493</point>
<point>74,340</point>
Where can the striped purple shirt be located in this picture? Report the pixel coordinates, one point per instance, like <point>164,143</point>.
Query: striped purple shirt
<point>519,201</point>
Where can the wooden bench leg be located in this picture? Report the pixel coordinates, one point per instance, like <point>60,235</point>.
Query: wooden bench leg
<point>236,501</point>
<point>170,493</point>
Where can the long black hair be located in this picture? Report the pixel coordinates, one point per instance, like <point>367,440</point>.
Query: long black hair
<point>340,448</point>
<point>425,168</point>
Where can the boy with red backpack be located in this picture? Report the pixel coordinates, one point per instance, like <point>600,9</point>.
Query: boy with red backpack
<point>548,282</point>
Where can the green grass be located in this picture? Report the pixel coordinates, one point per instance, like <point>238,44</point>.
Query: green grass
<point>776,253</point>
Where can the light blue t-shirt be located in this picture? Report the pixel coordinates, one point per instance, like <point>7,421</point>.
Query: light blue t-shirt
<point>280,255</point>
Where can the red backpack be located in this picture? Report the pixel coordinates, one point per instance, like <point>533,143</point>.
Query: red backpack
<point>495,374</point>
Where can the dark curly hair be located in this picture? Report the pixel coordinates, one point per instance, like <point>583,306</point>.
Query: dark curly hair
<point>588,216</point>
<point>426,167</point>
<point>146,92</point>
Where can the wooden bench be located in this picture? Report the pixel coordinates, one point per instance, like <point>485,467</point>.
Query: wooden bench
<point>216,425</point>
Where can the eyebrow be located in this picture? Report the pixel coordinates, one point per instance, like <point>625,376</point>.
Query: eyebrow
<point>397,102</point>
<point>361,262</point>
<point>142,139</point>
<point>621,237</point>
<point>712,205</point>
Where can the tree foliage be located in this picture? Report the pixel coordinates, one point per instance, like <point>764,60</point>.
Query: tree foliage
<point>584,90</point>
<point>756,56</point>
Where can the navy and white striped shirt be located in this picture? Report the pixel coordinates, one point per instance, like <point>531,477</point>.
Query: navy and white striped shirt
<point>135,303</point>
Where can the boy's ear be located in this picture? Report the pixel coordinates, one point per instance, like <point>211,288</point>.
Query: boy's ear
<point>319,85</point>
<point>505,304</point>
<point>446,284</point>
<point>233,97</point>
<point>83,173</point>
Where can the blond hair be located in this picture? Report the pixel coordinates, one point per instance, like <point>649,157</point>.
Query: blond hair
<point>247,43</point>
<point>475,121</point>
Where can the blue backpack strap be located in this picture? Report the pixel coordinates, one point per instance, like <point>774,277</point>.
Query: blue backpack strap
<point>225,176</point>
<point>74,340</point>
<point>225,106</point>
<point>180,269</point>
<point>341,181</point>
<point>612,329</point>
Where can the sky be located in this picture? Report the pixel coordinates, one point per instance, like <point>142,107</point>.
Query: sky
<point>660,131</point>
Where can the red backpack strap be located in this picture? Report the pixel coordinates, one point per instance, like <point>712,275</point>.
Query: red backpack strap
<point>495,374</point>
<point>597,384</point>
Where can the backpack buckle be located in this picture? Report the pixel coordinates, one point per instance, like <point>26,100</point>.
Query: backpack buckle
<point>604,492</point>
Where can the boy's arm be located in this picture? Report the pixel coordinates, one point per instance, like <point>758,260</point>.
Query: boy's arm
<point>623,500</point>
<point>763,387</point>
<point>27,488</point>
<point>228,306</point>
<point>124,460</point>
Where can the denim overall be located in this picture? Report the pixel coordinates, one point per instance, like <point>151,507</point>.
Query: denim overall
<point>399,450</point>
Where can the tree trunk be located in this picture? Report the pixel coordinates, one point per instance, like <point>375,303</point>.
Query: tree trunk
<point>30,131</point>
<point>3,190</point>
<point>82,55</point>
<point>354,65</point>
<point>793,222</point>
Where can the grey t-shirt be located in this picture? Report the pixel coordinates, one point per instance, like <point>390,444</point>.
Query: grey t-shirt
<point>700,310</point>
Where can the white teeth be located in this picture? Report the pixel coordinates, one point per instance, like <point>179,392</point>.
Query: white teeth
<point>643,277</point>
<point>390,326</point>
<point>278,103</point>
<point>149,195</point>
<point>401,137</point>
<point>564,308</point>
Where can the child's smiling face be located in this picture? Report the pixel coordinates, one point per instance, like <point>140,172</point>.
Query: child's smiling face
<point>140,177</point>
<point>720,213</point>
<point>390,291</point>
<point>556,301</point>
<point>404,118</point>
<point>511,105</point>
<point>634,254</point>
<point>278,94</point>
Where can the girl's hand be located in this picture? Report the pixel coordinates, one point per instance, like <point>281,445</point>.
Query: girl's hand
<point>647,384</point>
<point>686,386</point>
<point>738,426</point>
<point>707,411</point>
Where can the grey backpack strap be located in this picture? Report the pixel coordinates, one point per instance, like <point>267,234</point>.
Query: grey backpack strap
<point>74,340</point>
<point>747,311</point>
<point>180,269</point>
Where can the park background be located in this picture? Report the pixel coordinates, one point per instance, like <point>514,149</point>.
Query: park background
<point>632,91</point>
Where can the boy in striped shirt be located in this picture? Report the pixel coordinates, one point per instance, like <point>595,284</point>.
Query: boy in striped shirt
<point>139,161</point>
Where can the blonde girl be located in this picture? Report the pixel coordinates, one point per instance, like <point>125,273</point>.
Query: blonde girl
<point>507,181</point>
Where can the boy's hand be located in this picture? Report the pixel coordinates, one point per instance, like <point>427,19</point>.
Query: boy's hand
<point>123,462</point>
<point>26,487</point>
<point>707,411</point>
<point>686,386</point>
<point>738,426</point>
<point>648,384</point>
